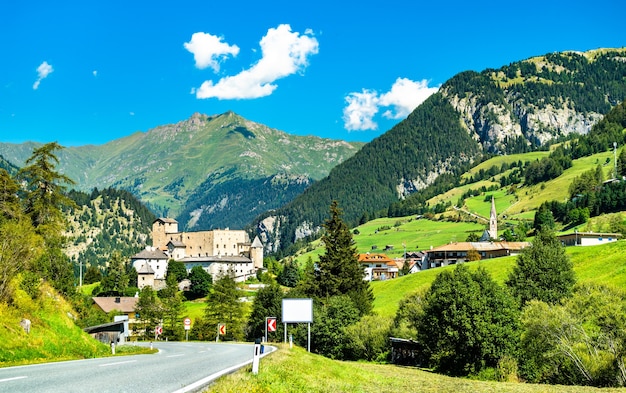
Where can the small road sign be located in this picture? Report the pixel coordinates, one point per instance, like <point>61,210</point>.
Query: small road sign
<point>222,329</point>
<point>158,330</point>
<point>187,323</point>
<point>271,324</point>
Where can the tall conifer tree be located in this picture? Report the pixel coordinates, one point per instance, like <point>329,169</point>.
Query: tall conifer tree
<point>338,271</point>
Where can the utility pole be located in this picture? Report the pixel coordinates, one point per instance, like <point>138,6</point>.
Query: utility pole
<point>80,274</point>
<point>615,159</point>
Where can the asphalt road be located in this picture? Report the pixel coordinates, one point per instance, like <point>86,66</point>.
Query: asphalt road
<point>178,367</point>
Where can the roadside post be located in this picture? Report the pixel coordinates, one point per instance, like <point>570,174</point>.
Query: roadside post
<point>256,356</point>
<point>187,323</point>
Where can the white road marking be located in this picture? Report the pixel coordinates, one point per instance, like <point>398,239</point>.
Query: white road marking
<point>115,364</point>
<point>175,356</point>
<point>12,379</point>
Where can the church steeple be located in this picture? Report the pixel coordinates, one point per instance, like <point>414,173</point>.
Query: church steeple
<point>493,220</point>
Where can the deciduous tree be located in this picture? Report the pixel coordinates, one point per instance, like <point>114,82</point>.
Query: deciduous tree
<point>468,322</point>
<point>267,303</point>
<point>200,283</point>
<point>223,306</point>
<point>543,271</point>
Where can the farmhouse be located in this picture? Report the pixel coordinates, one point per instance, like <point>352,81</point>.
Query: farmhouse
<point>452,253</point>
<point>219,251</point>
<point>151,266</point>
<point>588,238</point>
<point>123,304</point>
<point>378,266</point>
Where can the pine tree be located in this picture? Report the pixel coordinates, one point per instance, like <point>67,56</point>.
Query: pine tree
<point>45,193</point>
<point>338,271</point>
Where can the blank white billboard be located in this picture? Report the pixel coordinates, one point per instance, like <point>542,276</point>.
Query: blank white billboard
<point>297,310</point>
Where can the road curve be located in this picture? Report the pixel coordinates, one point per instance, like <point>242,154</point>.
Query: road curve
<point>177,367</point>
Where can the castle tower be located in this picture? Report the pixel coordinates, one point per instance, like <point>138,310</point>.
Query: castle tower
<point>493,220</point>
<point>256,253</point>
<point>162,229</point>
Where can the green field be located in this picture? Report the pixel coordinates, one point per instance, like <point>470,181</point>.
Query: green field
<point>603,264</point>
<point>531,197</point>
<point>416,234</point>
<point>295,370</point>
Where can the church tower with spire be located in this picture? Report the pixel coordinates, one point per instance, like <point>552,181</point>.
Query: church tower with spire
<point>493,220</point>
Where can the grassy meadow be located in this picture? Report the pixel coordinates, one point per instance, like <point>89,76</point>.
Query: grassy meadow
<point>416,234</point>
<point>604,264</point>
<point>295,370</point>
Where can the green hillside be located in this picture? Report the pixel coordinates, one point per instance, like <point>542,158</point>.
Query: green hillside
<point>53,335</point>
<point>521,107</point>
<point>603,264</point>
<point>416,234</point>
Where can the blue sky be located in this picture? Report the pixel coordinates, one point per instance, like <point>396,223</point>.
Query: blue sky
<point>87,72</point>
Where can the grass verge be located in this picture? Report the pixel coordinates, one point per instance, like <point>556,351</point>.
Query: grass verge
<point>295,370</point>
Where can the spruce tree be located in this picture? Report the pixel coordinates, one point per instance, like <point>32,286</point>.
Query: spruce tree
<point>338,271</point>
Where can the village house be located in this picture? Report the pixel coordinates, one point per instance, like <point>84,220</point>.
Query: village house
<point>151,267</point>
<point>588,238</point>
<point>123,304</point>
<point>452,253</point>
<point>416,261</point>
<point>378,266</point>
<point>218,252</point>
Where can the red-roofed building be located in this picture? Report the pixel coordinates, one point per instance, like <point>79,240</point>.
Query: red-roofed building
<point>378,266</point>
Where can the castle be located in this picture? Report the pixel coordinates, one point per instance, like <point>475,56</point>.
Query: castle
<point>219,252</point>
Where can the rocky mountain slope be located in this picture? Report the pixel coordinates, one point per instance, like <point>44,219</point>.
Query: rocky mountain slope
<point>516,108</point>
<point>207,171</point>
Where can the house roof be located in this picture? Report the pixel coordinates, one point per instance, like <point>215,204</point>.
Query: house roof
<point>257,243</point>
<point>123,304</point>
<point>216,258</point>
<point>167,220</point>
<point>480,246</point>
<point>376,258</point>
<point>590,234</point>
<point>176,243</point>
<point>150,254</point>
<point>145,269</point>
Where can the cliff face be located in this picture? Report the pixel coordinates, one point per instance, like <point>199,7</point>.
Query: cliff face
<point>494,125</point>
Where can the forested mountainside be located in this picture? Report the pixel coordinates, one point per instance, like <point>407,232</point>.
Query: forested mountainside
<point>106,221</point>
<point>7,166</point>
<point>518,108</point>
<point>201,170</point>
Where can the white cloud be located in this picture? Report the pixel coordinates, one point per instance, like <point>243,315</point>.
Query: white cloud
<point>95,72</point>
<point>209,50</point>
<point>405,95</point>
<point>43,71</point>
<point>283,53</point>
<point>359,114</point>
